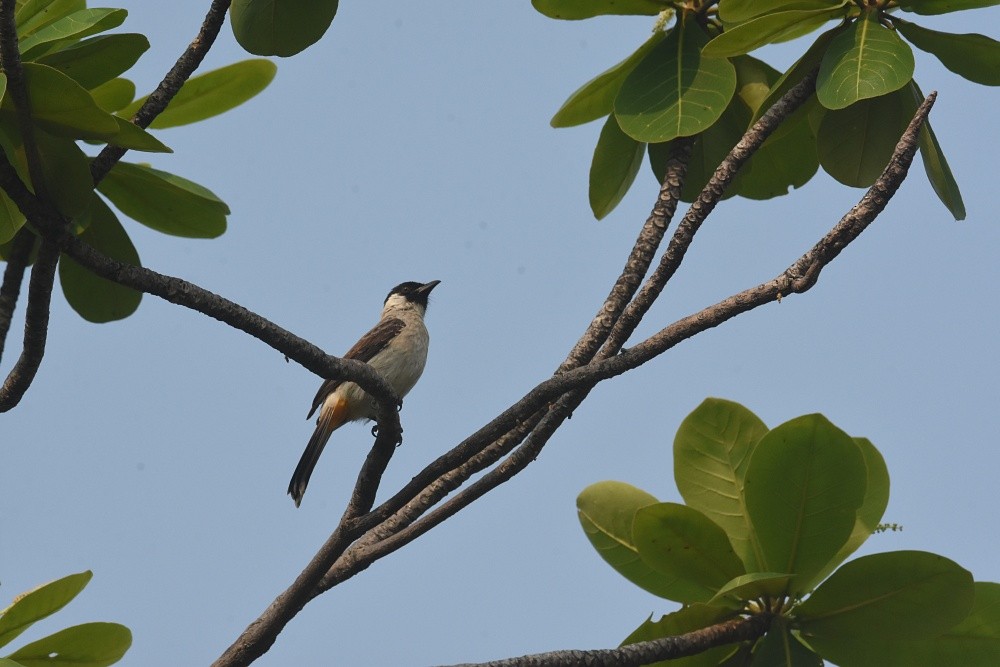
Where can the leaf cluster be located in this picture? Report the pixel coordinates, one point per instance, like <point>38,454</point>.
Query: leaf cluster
<point>84,645</point>
<point>695,78</point>
<point>770,516</point>
<point>77,94</point>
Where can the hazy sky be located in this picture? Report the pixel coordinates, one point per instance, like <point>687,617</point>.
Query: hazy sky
<point>413,143</point>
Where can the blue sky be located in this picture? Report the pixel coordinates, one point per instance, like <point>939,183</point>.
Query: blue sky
<point>413,143</point>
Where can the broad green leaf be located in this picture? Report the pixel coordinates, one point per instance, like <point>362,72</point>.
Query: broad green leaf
<point>585,9</point>
<point>165,202</point>
<point>711,453</point>
<point>929,7</point>
<point>691,551</point>
<point>280,27</point>
<point>739,11</point>
<point>35,14</point>
<point>617,158</point>
<point>855,143</point>
<point>98,60</point>
<point>63,107</point>
<point>114,95</point>
<point>938,172</point>
<point>752,586</point>
<point>779,648</point>
<point>973,56</point>
<point>79,24</point>
<point>809,61</point>
<point>606,510</point>
<point>872,509</point>
<point>11,218</point>
<point>86,645</point>
<point>94,298</point>
<point>803,486</point>
<point>67,173</point>
<point>134,137</point>
<point>900,595</point>
<point>867,60</point>
<point>596,98</point>
<point>40,603</point>
<point>974,641</point>
<point>690,618</point>
<point>767,29</point>
<point>675,91</point>
<point>212,93</point>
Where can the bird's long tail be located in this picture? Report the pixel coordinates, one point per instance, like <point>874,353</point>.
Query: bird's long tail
<point>331,417</point>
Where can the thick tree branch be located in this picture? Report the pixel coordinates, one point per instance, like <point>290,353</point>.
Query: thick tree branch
<point>645,653</point>
<point>171,83</point>
<point>13,276</point>
<point>10,62</point>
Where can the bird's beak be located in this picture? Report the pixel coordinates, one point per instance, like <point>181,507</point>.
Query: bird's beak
<point>426,288</point>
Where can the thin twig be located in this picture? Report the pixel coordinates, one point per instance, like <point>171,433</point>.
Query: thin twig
<point>169,86</point>
<point>648,652</point>
<point>13,276</point>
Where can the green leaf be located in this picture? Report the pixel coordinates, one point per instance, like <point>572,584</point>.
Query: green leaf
<point>94,298</point>
<point>79,24</point>
<point>900,595</point>
<point>585,9</point>
<point>935,165</point>
<point>98,60</point>
<point>974,641</point>
<point>803,487</point>
<point>929,7</point>
<point>973,56</point>
<point>675,91</point>
<point>767,29</point>
<point>86,645</point>
<point>41,602</point>
<point>165,202</point>
<point>212,93</point>
<point>686,546</point>
<point>740,11</point>
<point>616,162</point>
<point>692,617</point>
<point>606,510</point>
<point>134,137</point>
<point>711,453</point>
<point>596,98</point>
<point>35,14</point>
<point>867,60</point>
<point>114,95</point>
<point>67,173</point>
<point>11,218</point>
<point>63,107</point>
<point>752,586</point>
<point>856,143</point>
<point>779,648</point>
<point>280,27</point>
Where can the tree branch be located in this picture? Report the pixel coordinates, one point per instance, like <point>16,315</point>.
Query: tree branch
<point>13,276</point>
<point>169,86</point>
<point>648,652</point>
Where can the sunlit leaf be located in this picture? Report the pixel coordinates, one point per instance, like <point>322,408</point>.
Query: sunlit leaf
<point>94,298</point>
<point>691,551</point>
<point>87,645</point>
<point>752,586</point>
<point>675,91</point>
<point>617,158</point>
<point>935,164</point>
<point>35,14</point>
<point>40,603</point>
<point>98,60</point>
<point>739,11</point>
<point>114,95</point>
<point>943,6</point>
<point>867,60</point>
<point>134,137</point>
<point>585,9</point>
<point>212,93</point>
<point>596,98</point>
<point>767,29</point>
<point>712,449</point>
<point>63,107</point>
<point>973,56</point>
<point>803,486</point>
<point>280,27</point>
<point>77,25</point>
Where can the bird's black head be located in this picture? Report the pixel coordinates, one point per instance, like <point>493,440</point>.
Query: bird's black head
<point>414,292</point>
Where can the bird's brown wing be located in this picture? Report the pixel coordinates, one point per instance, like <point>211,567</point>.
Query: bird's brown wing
<point>363,350</point>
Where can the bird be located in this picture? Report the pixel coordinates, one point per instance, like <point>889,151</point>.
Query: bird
<point>396,347</point>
